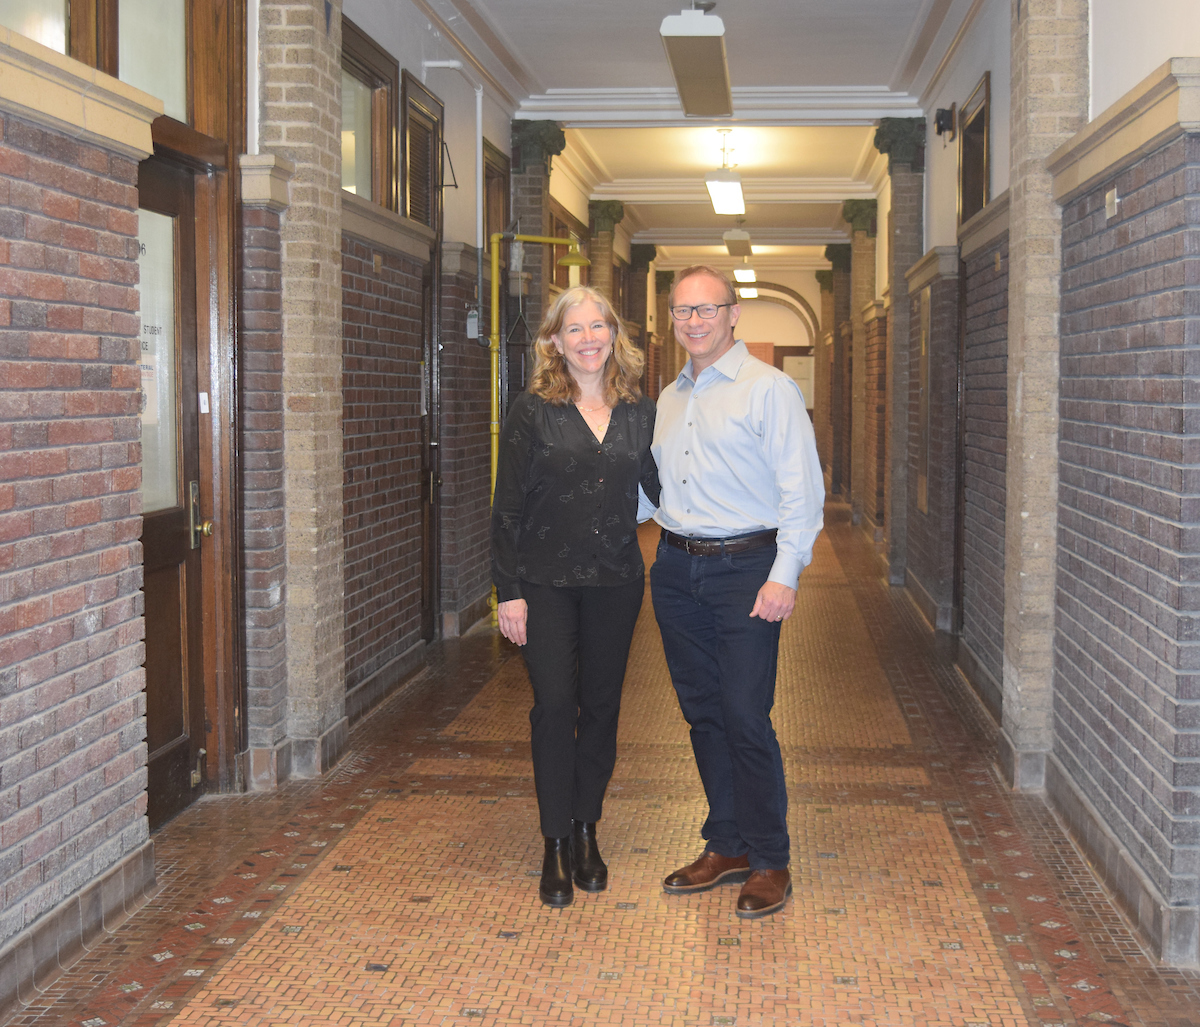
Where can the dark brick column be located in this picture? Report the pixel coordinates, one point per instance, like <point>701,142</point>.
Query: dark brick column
<point>605,215</point>
<point>903,140</point>
<point>875,419</point>
<point>860,214</point>
<point>535,143</point>
<point>839,408</point>
<point>933,434</point>
<point>822,374</point>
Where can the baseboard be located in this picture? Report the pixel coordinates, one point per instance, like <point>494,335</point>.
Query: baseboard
<point>981,681</point>
<point>266,769</point>
<point>60,936</point>
<point>938,616</point>
<point>368,694</point>
<point>1172,932</point>
<point>457,623</point>
<point>312,757</point>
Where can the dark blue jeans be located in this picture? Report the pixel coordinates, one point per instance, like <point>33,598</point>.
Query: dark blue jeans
<point>723,663</point>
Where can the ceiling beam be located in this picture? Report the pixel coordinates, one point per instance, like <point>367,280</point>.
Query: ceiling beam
<point>769,105</point>
<point>756,190</point>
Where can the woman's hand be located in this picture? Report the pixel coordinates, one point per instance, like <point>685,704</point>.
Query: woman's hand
<point>512,615</point>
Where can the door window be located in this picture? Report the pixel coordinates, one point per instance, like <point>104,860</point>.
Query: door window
<point>160,445</point>
<point>152,51</point>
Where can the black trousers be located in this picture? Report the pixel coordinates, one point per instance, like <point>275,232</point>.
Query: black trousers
<point>577,643</point>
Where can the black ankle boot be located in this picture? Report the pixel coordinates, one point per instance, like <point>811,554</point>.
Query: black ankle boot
<point>555,889</point>
<point>589,870</point>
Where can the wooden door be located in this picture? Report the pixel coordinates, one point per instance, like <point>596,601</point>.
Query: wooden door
<point>431,481</point>
<point>172,530</point>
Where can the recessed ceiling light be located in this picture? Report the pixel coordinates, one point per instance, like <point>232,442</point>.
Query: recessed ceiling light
<point>748,293</point>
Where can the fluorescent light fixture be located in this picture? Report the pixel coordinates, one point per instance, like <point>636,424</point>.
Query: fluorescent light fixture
<point>737,243</point>
<point>725,189</point>
<point>748,293</point>
<point>745,273</point>
<point>695,45</point>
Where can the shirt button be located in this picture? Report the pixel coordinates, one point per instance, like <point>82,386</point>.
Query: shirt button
<point>685,453</point>
<point>685,481</point>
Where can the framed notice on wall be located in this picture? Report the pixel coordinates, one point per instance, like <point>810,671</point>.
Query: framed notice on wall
<point>800,370</point>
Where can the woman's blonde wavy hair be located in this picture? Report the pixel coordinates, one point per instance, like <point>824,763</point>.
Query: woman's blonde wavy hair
<point>552,380</point>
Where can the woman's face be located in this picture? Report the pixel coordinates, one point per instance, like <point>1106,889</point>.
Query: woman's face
<point>585,340</point>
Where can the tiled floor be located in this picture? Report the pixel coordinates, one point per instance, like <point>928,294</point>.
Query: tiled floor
<point>402,890</point>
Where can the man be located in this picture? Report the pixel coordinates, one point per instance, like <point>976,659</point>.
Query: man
<point>742,504</point>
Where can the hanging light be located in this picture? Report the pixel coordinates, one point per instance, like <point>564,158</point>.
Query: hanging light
<point>737,242</point>
<point>748,293</point>
<point>745,273</point>
<point>725,186</point>
<point>695,45</point>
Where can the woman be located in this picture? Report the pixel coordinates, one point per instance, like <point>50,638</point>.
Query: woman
<point>567,565</point>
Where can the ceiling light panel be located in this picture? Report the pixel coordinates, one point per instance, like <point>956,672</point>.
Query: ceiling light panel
<point>737,243</point>
<point>695,45</point>
<point>725,190</point>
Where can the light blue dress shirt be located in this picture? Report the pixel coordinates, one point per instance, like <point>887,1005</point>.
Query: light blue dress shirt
<point>736,454</point>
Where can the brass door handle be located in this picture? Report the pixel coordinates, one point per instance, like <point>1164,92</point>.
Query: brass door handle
<point>206,529</point>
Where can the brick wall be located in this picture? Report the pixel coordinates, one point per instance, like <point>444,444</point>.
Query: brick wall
<point>72,704</point>
<point>1126,711</point>
<point>875,408</point>
<point>381,457</point>
<point>931,532</point>
<point>264,552</point>
<point>985,402</point>
<point>466,462</point>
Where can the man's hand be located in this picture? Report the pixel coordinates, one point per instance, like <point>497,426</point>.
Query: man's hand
<point>512,615</point>
<point>774,602</point>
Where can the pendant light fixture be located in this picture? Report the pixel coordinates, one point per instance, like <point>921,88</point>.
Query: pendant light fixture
<point>725,186</point>
<point>695,45</point>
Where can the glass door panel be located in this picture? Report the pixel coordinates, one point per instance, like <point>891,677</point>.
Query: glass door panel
<point>160,439</point>
<point>152,51</point>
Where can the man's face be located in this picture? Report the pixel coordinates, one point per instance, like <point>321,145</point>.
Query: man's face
<point>706,339</point>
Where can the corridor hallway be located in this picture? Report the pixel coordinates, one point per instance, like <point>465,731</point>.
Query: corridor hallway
<point>402,888</point>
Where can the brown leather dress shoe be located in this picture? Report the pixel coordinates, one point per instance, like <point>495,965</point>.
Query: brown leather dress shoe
<point>764,892</point>
<point>707,872</point>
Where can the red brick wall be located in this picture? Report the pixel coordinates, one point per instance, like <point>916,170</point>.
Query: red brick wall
<point>876,426</point>
<point>1126,692</point>
<point>262,481</point>
<point>465,508</point>
<point>985,444</point>
<point>72,707</point>
<point>382,497</point>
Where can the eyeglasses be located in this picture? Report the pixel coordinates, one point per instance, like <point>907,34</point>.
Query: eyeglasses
<point>706,310</point>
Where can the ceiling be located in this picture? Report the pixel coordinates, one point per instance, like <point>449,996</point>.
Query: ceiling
<point>810,79</point>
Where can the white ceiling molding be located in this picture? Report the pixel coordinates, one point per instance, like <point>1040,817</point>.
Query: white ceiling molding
<point>926,31</point>
<point>951,52</point>
<point>488,36</point>
<point>774,105</point>
<point>760,237</point>
<point>756,190</point>
<point>577,164</point>
<point>503,94</point>
<point>669,259</point>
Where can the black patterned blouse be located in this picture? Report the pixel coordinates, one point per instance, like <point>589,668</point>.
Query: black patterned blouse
<point>565,510</point>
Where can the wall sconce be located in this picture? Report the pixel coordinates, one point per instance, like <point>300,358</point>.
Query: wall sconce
<point>946,121</point>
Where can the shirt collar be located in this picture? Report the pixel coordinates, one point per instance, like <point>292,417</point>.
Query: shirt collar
<point>728,364</point>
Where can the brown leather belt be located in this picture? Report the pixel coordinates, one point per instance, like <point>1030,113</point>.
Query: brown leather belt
<point>718,546</point>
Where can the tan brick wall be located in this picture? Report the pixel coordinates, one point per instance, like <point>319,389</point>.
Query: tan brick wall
<point>1049,105</point>
<point>301,76</point>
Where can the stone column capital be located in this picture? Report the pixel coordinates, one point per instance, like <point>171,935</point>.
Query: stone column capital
<point>642,255</point>
<point>663,280</point>
<point>838,254</point>
<point>860,214</point>
<point>903,140</point>
<point>825,280</point>
<point>606,214</point>
<point>535,142</point>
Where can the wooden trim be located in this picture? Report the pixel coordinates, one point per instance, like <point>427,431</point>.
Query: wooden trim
<point>979,103</point>
<point>372,65</point>
<point>415,98</point>
<point>187,146</point>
